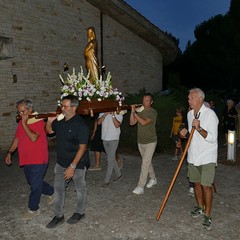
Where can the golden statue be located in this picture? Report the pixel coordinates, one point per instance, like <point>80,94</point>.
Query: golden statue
<point>90,53</point>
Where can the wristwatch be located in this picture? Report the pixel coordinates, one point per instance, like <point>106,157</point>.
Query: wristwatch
<point>72,166</point>
<point>200,129</point>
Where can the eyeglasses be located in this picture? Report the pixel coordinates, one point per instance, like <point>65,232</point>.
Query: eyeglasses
<point>21,112</point>
<point>64,106</point>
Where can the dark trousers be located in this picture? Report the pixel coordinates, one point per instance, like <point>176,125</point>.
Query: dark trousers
<point>35,174</point>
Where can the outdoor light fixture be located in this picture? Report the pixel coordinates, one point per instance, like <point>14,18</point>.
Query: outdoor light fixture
<point>231,137</point>
<point>231,153</point>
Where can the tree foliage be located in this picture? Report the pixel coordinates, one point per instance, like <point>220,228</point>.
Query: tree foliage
<point>213,60</point>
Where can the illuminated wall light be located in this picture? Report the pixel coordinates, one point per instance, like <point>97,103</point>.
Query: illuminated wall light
<point>231,151</point>
<point>231,137</point>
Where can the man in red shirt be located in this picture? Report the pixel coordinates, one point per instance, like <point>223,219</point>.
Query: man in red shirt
<point>31,141</point>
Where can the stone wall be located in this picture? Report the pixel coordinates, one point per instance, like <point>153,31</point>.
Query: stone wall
<point>133,63</point>
<point>46,34</point>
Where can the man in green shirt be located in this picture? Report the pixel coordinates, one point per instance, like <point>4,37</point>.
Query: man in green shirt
<point>147,141</point>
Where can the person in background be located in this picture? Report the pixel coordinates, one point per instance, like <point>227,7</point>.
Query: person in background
<point>72,135</point>
<point>229,118</point>
<point>96,145</point>
<point>31,141</point>
<point>177,122</point>
<point>147,141</point>
<point>238,123</point>
<point>213,106</point>
<point>207,104</point>
<point>202,153</point>
<point>111,123</point>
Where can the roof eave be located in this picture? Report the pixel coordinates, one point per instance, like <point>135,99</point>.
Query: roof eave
<point>139,25</point>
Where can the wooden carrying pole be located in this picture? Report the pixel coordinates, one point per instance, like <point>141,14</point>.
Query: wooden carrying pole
<point>176,174</point>
<point>86,109</point>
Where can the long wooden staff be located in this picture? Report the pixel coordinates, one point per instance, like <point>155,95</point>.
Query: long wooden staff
<point>177,171</point>
<point>84,110</point>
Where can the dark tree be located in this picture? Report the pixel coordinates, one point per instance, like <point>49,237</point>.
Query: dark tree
<point>213,60</point>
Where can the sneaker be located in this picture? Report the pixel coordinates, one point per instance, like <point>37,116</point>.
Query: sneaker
<point>207,222</point>
<point>56,221</point>
<point>197,212</point>
<point>151,183</point>
<point>51,199</point>
<point>95,168</point>
<point>138,190</point>
<point>191,192</point>
<point>118,179</point>
<point>30,214</point>
<point>75,218</point>
<point>175,158</point>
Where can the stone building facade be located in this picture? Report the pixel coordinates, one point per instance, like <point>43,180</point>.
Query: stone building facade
<point>38,36</point>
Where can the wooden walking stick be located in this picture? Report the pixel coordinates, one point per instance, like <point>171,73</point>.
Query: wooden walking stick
<point>175,175</point>
<point>177,171</point>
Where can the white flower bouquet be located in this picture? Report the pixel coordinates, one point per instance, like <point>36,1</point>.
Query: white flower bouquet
<point>79,85</point>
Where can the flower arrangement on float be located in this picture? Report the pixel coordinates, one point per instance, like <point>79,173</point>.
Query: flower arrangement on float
<point>79,85</point>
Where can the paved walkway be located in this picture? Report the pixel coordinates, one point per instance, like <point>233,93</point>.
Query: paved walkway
<point>116,213</point>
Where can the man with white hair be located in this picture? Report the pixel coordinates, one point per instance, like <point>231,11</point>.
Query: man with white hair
<point>202,153</point>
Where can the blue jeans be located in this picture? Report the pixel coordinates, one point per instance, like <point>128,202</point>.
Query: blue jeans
<point>60,186</point>
<point>34,175</point>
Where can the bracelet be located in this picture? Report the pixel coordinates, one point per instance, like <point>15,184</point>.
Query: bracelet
<point>200,129</point>
<point>72,166</point>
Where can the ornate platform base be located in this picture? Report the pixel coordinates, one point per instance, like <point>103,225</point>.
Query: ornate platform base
<point>94,106</point>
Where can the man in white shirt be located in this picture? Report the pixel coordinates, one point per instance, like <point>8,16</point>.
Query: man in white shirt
<point>202,153</point>
<point>111,123</point>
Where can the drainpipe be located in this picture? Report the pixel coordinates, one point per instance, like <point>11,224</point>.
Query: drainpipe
<point>101,47</point>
